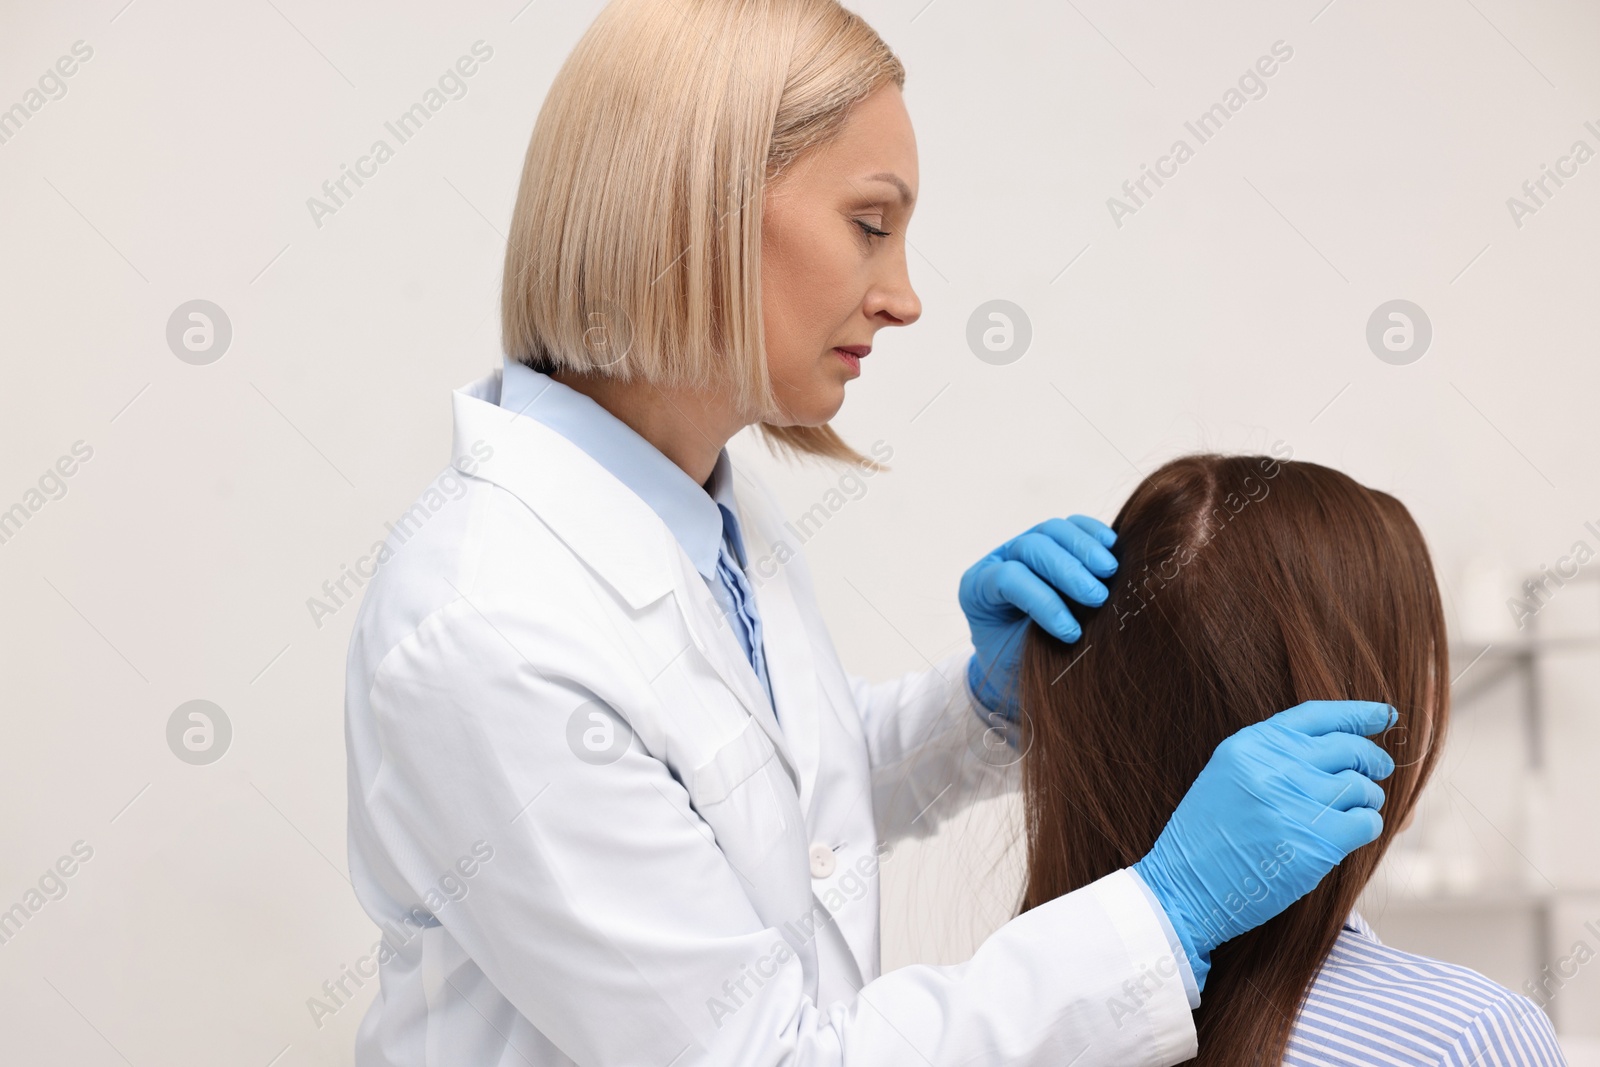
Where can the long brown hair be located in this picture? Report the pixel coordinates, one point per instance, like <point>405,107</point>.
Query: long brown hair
<point>1244,585</point>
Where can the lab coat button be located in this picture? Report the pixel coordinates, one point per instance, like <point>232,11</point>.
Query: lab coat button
<point>822,861</point>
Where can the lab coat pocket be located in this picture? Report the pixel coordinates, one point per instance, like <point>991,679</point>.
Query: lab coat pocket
<point>737,792</point>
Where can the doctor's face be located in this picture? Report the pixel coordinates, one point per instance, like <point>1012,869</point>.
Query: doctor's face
<point>833,256</point>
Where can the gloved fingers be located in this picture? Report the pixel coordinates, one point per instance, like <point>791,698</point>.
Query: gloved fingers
<point>1085,545</point>
<point>973,578</point>
<point>1057,565</point>
<point>1349,830</point>
<point>978,592</point>
<point>1336,752</point>
<point>1016,582</point>
<point>1344,791</point>
<point>1318,717</point>
<point>1095,528</point>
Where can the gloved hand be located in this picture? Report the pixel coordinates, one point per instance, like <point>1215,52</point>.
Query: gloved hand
<point>1001,591</point>
<point>1280,803</point>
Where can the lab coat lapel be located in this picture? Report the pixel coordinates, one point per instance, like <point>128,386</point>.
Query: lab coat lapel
<point>715,639</point>
<point>609,527</point>
<point>786,642</point>
<point>815,715</point>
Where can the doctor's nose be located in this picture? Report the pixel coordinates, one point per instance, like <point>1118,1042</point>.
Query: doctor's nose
<point>894,305</point>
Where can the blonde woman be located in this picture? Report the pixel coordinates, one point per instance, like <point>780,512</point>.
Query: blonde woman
<point>613,798</point>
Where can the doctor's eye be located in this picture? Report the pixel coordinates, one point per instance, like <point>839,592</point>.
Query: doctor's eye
<point>871,230</point>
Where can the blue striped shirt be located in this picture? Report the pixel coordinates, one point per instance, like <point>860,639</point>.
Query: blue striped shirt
<point>1373,1006</point>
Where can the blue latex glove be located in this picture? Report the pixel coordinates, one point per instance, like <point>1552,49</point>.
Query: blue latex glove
<point>1279,804</point>
<point>1024,578</point>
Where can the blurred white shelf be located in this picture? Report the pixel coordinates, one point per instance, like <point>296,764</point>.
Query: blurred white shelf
<point>1489,899</point>
<point>1477,668</point>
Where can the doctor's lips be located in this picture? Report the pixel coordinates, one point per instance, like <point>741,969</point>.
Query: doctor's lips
<point>852,355</point>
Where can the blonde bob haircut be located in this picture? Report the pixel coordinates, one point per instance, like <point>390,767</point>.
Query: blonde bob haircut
<point>635,245</point>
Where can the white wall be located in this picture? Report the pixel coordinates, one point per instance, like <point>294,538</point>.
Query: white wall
<point>1228,312</point>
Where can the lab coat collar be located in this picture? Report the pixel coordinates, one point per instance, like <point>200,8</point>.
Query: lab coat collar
<point>688,509</point>
<point>560,481</point>
<point>600,519</point>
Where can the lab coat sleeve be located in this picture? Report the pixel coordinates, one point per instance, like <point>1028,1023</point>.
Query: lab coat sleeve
<point>931,752</point>
<point>612,921</point>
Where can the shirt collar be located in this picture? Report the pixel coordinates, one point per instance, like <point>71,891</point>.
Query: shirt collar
<point>1355,923</point>
<point>720,486</point>
<point>690,511</point>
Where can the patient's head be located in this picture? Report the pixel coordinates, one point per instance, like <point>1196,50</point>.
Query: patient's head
<point>1244,585</point>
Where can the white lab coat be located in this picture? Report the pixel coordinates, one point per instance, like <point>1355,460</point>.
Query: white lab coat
<point>710,896</point>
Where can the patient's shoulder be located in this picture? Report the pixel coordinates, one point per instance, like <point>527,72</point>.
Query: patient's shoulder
<point>1372,1002</point>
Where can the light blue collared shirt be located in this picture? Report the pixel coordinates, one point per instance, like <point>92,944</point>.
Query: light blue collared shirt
<point>700,517</point>
<point>1371,1003</point>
